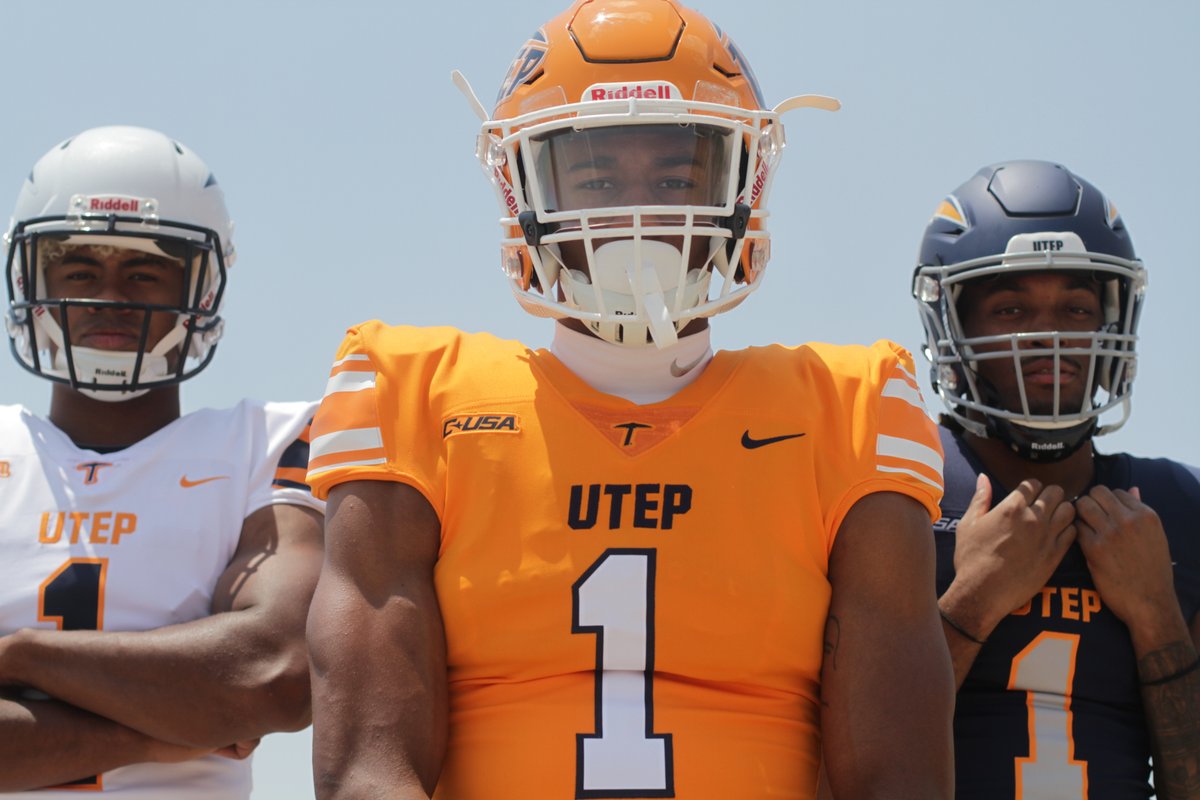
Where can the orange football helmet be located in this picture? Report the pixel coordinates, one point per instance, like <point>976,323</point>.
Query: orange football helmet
<point>632,154</point>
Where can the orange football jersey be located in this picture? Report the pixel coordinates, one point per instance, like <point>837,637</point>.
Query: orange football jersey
<point>634,596</point>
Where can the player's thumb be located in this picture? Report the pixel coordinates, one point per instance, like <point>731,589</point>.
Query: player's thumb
<point>981,501</point>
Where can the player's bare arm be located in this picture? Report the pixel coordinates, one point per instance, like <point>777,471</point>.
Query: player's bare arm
<point>34,734</point>
<point>378,647</point>
<point>209,683</point>
<point>1127,553</point>
<point>881,740</point>
<point>1002,557</point>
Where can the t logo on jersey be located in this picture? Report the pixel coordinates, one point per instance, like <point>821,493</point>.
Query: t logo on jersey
<point>629,428</point>
<point>91,470</point>
<point>491,422</point>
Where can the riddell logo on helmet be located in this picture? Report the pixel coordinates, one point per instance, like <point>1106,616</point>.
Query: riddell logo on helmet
<point>656,90</point>
<point>506,190</point>
<point>128,204</point>
<point>760,181</point>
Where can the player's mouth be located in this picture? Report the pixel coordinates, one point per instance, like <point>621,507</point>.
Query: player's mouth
<point>107,337</point>
<point>1042,371</point>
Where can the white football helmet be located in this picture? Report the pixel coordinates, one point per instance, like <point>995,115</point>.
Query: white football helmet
<point>129,188</point>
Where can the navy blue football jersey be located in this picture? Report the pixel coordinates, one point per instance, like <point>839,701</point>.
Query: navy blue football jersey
<point>1052,707</point>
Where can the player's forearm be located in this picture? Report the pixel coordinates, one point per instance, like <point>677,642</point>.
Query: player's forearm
<point>205,683</point>
<point>1171,696</point>
<point>46,743</point>
<point>967,620</point>
<point>379,695</point>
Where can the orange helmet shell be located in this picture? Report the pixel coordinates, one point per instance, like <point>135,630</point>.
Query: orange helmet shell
<point>631,62</point>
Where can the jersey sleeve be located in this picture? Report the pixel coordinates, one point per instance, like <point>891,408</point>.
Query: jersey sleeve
<point>278,477</point>
<point>375,417</point>
<point>894,442</point>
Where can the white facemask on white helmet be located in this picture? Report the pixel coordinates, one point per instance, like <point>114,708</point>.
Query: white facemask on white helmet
<point>130,189</point>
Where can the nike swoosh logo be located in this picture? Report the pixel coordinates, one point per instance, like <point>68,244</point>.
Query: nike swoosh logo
<point>679,371</point>
<point>186,484</point>
<point>752,444</point>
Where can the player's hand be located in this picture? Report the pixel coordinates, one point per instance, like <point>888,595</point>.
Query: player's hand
<point>168,753</point>
<point>1004,555</point>
<point>239,750</point>
<point>1126,549</point>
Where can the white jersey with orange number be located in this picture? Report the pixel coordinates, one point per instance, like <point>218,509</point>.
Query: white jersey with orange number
<point>136,539</point>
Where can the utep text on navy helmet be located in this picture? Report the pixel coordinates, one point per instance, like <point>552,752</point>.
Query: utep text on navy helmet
<point>1018,217</point>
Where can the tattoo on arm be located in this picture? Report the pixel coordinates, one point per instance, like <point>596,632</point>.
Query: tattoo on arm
<point>833,636</point>
<point>1173,714</point>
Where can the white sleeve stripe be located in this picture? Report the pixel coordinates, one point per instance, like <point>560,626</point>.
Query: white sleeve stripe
<point>350,382</point>
<point>345,441</point>
<point>908,450</point>
<point>913,473</point>
<point>354,357</point>
<point>900,368</point>
<point>903,390</point>
<point>364,463</point>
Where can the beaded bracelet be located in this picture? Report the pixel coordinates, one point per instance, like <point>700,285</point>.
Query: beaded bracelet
<point>961,631</point>
<point>1188,670</point>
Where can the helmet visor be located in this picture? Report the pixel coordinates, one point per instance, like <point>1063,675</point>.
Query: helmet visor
<point>627,166</point>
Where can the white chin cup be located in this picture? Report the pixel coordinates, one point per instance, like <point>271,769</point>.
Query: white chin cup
<point>643,289</point>
<point>110,368</point>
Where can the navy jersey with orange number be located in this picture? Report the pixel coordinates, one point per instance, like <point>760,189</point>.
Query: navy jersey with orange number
<point>1052,706</point>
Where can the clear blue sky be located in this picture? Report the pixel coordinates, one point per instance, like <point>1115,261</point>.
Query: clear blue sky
<point>347,160</point>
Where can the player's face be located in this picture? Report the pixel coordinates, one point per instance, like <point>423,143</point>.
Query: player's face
<point>117,275</point>
<point>635,165</point>
<point>1026,303</point>
<point>653,165</point>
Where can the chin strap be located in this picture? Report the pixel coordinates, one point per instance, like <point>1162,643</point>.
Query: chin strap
<point>640,279</point>
<point>111,367</point>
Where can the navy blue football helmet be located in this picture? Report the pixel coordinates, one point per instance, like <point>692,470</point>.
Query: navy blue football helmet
<point>1022,216</point>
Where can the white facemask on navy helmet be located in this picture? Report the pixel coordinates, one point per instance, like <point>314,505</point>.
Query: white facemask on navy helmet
<point>1027,216</point>
<point>129,188</point>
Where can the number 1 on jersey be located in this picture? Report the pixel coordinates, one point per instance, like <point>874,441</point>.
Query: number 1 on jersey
<point>1045,669</point>
<point>73,598</point>
<point>614,599</point>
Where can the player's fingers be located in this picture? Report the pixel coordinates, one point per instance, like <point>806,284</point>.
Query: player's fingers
<point>1066,537</point>
<point>1104,497</point>
<point>1092,513</point>
<point>1028,490</point>
<point>1131,500</point>
<point>1062,516</point>
<point>1049,500</point>
<point>1085,534</point>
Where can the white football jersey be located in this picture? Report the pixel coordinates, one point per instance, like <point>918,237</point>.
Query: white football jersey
<point>136,539</point>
